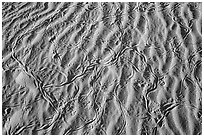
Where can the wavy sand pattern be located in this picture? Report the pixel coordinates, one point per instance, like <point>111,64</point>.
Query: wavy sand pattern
<point>90,68</point>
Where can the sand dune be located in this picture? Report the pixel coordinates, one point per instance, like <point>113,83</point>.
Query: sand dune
<point>109,68</point>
